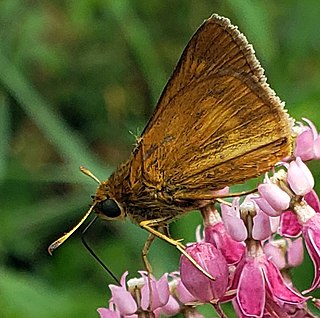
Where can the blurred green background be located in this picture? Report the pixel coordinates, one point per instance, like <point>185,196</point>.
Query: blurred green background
<point>78,79</point>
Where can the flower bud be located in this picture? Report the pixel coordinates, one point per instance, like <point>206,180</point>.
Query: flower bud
<point>197,283</point>
<point>300,178</point>
<point>274,196</point>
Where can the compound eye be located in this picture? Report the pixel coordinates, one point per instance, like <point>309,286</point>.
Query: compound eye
<point>109,208</point>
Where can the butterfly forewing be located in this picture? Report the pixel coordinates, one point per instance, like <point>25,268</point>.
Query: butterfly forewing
<point>217,122</point>
<point>216,46</point>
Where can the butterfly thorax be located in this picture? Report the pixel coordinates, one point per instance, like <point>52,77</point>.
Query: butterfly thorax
<point>138,200</point>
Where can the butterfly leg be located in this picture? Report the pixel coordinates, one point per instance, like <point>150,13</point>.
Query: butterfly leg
<point>147,245</point>
<point>152,225</point>
<point>147,264</point>
<point>145,250</point>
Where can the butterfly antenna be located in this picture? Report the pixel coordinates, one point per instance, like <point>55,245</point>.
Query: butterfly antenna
<point>90,250</point>
<point>63,238</point>
<point>88,173</point>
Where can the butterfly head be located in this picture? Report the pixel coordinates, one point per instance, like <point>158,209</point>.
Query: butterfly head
<point>105,206</point>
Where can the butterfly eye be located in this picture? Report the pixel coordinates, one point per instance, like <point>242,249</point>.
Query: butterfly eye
<point>108,208</point>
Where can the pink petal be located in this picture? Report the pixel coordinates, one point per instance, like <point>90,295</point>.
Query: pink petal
<point>231,249</point>
<point>277,286</point>
<point>300,178</point>
<point>313,200</point>
<point>123,279</point>
<point>295,253</point>
<point>171,308</point>
<point>311,234</point>
<point>312,127</point>
<point>277,198</point>
<point>237,309</point>
<point>304,145</point>
<point>251,290</point>
<point>234,225</point>
<point>183,294</point>
<point>236,275</point>
<point>274,223</point>
<point>235,211</point>
<point>266,207</point>
<point>145,291</point>
<point>289,224</point>
<point>308,143</point>
<point>211,260</point>
<point>123,300</point>
<point>275,254</point>
<point>160,292</point>
<point>163,293</point>
<point>261,226</point>
<point>108,313</point>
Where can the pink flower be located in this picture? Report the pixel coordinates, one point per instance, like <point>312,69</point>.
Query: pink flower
<point>284,253</point>
<point>260,285</point>
<point>234,218</point>
<point>122,299</point>
<point>216,234</point>
<point>276,195</point>
<point>222,240</point>
<point>126,302</point>
<point>311,234</point>
<point>307,142</point>
<point>160,292</point>
<point>180,300</point>
<point>212,261</point>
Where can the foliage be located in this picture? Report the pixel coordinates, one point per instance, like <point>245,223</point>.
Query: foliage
<point>78,81</point>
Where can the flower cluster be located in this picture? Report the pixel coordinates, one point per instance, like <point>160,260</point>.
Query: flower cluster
<point>249,247</point>
<point>148,297</point>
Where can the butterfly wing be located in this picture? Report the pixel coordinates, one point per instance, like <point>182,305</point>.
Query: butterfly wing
<point>217,122</point>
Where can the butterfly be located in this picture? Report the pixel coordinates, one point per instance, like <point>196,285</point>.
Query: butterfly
<point>217,123</point>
